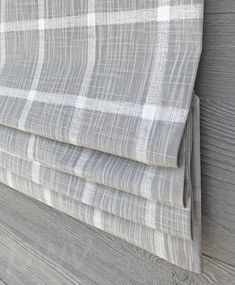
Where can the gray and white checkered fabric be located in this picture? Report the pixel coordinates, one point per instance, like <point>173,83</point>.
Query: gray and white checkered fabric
<point>168,219</point>
<point>97,117</point>
<point>153,183</point>
<point>181,251</point>
<point>107,75</point>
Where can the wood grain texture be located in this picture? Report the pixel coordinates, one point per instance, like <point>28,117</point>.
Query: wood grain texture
<point>216,88</point>
<point>39,245</point>
<point>218,179</point>
<point>219,6</point>
<point>217,66</point>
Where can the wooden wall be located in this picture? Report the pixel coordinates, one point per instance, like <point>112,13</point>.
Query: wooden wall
<point>216,88</point>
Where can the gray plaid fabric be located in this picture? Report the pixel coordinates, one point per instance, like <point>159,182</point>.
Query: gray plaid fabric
<point>127,220</point>
<point>111,76</point>
<point>183,252</point>
<point>153,183</point>
<point>168,219</point>
<point>97,119</point>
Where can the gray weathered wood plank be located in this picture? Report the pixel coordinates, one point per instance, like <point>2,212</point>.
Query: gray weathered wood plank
<point>219,6</point>
<point>217,67</point>
<point>218,179</point>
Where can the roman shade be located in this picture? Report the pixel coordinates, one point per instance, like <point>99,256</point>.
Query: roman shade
<point>98,117</point>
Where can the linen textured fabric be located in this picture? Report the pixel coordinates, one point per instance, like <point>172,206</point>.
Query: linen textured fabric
<point>98,117</point>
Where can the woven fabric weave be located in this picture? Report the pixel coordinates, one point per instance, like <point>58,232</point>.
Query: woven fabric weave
<point>97,116</point>
<point>115,77</point>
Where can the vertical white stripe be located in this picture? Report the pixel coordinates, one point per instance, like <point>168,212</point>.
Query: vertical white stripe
<point>2,35</point>
<point>161,218</point>
<point>157,75</point>
<point>150,214</point>
<point>85,155</point>
<point>91,52</point>
<point>172,255</point>
<point>38,71</point>
<point>9,179</point>
<point>164,13</point>
<point>97,220</point>
<point>47,197</point>
<point>35,172</point>
<point>88,193</point>
<point>30,149</point>
<point>146,183</point>
<point>172,188</point>
<point>160,244</point>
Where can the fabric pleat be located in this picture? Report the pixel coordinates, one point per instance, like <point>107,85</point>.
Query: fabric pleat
<point>98,118</point>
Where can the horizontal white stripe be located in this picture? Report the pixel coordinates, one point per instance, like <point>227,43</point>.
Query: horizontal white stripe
<point>91,19</point>
<point>41,24</point>
<point>160,14</point>
<point>164,113</point>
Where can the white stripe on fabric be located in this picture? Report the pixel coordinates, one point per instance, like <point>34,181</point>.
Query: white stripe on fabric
<point>162,113</point>
<point>150,114</point>
<point>47,197</point>
<point>159,242</point>
<point>97,219</point>
<point>41,23</point>
<point>161,218</point>
<point>35,172</point>
<point>146,183</point>
<point>91,55</point>
<point>82,160</point>
<point>91,22</point>
<point>150,214</point>
<point>2,36</point>
<point>160,14</point>
<point>30,148</point>
<point>9,179</point>
<point>88,193</point>
<point>38,71</point>
<point>171,189</point>
<point>164,14</point>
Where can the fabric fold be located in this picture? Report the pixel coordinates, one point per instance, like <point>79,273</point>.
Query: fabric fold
<point>153,183</point>
<point>24,177</point>
<point>133,103</point>
<point>165,218</point>
<point>98,118</point>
